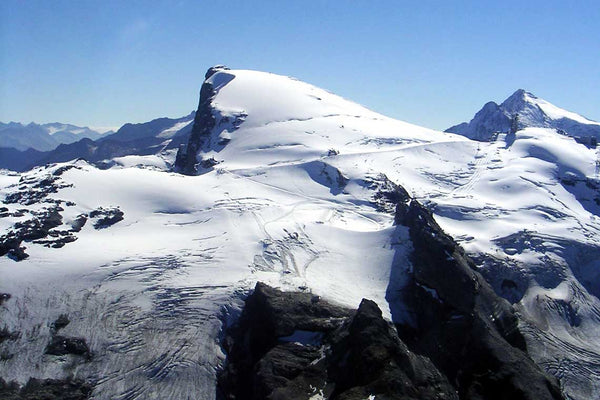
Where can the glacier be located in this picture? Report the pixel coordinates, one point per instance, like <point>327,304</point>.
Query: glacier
<point>290,198</point>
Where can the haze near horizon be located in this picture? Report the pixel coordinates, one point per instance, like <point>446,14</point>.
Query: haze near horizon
<point>102,64</point>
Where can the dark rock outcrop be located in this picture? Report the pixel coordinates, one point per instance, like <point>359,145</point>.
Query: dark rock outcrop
<point>61,322</point>
<point>205,122</point>
<point>46,389</point>
<point>465,342</point>
<point>33,230</point>
<point>387,194</point>
<point>291,345</point>
<point>372,360</point>
<point>78,223</point>
<point>10,245</point>
<point>63,345</point>
<point>35,190</point>
<point>42,226</point>
<point>41,229</point>
<point>214,69</point>
<point>268,315</point>
<point>468,331</point>
<point>4,297</point>
<point>5,334</point>
<point>105,217</point>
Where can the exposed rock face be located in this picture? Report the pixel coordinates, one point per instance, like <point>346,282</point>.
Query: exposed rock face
<point>212,70</point>
<point>490,119</point>
<point>372,360</point>
<point>32,192</point>
<point>388,195</point>
<point>45,225</point>
<point>62,345</point>
<point>4,297</point>
<point>106,217</point>
<point>204,122</point>
<point>36,230</point>
<point>468,331</point>
<point>211,128</point>
<point>294,345</point>
<point>270,314</point>
<point>5,334</point>
<point>61,322</point>
<point>46,389</point>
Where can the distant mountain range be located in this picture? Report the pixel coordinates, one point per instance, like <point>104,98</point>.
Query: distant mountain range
<point>131,139</point>
<point>44,137</point>
<point>23,147</point>
<point>524,110</point>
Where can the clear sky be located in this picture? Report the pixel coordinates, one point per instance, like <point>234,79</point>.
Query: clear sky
<point>433,63</point>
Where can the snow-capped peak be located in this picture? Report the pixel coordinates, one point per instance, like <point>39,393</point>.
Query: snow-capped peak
<point>524,105</point>
<point>519,100</point>
<point>243,112</point>
<point>531,111</point>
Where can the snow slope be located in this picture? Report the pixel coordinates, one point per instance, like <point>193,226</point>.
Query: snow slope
<point>556,113</point>
<point>292,202</point>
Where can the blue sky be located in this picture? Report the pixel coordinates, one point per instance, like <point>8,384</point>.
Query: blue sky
<point>433,63</point>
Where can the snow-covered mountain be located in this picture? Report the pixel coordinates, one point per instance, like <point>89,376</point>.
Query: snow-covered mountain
<point>161,128</point>
<point>159,136</point>
<point>130,278</point>
<point>524,110</point>
<point>44,137</point>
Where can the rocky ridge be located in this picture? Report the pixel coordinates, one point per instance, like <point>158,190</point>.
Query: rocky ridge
<point>203,135</point>
<point>463,341</point>
<point>294,345</point>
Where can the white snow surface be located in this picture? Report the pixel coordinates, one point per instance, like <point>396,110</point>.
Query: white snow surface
<point>555,112</point>
<point>170,132</point>
<point>152,293</point>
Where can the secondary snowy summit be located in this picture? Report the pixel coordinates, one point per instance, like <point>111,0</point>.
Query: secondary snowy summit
<point>524,110</point>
